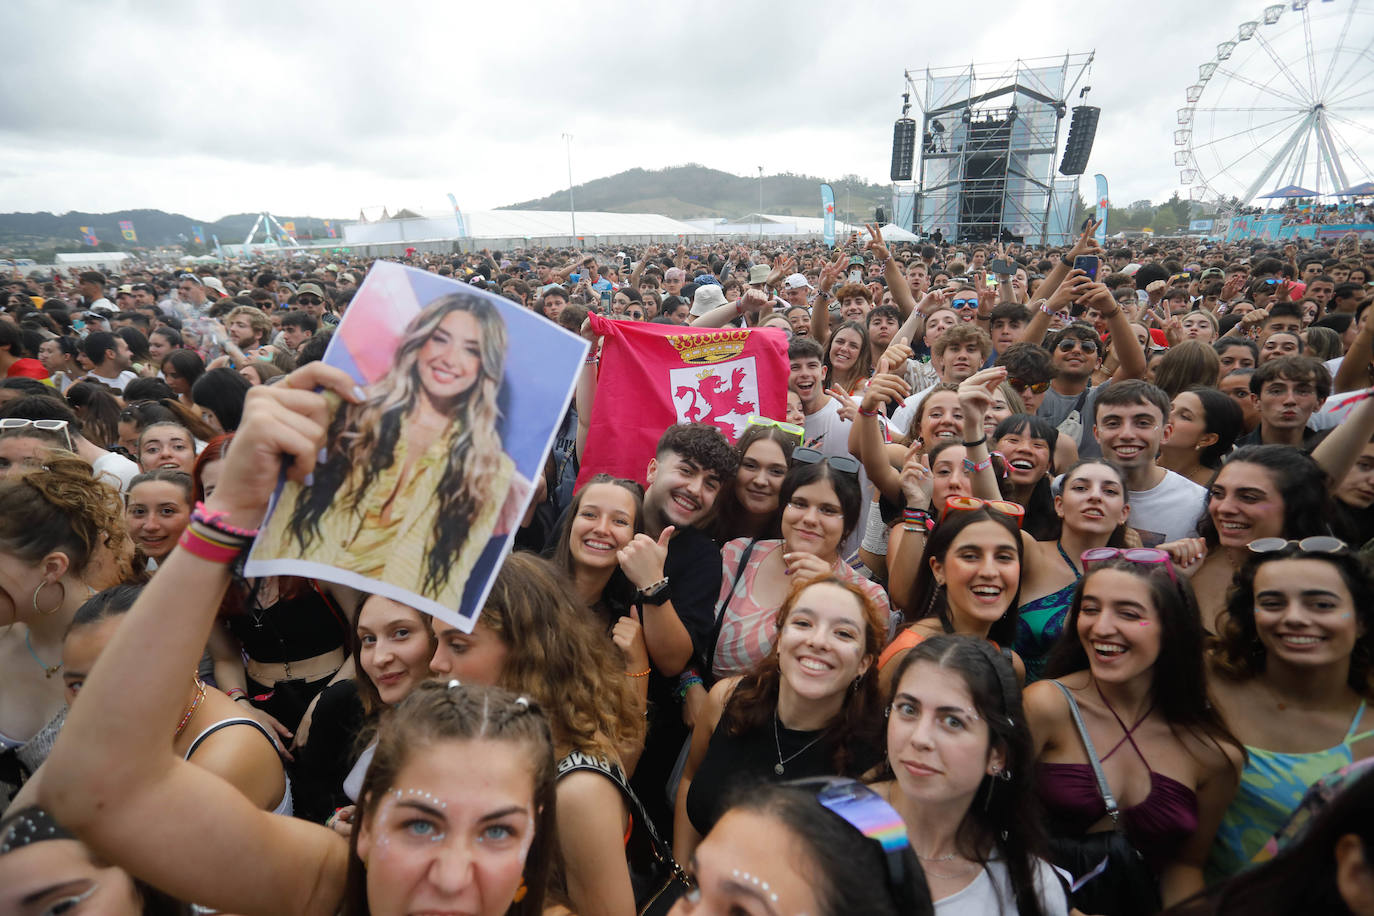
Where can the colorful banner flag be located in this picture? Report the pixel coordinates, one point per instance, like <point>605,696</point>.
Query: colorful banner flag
<point>88,236</point>
<point>126,228</point>
<point>219,252</point>
<point>828,213</point>
<point>198,233</point>
<point>289,227</point>
<point>655,375</point>
<point>329,229</point>
<point>458,215</point>
<point>1102,203</point>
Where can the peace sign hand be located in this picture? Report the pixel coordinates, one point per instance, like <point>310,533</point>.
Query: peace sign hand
<point>876,243</point>
<point>849,409</point>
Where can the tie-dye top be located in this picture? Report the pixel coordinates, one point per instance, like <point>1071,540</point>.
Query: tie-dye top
<point>1271,788</point>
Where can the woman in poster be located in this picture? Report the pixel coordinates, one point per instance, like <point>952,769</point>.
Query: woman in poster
<point>415,481</point>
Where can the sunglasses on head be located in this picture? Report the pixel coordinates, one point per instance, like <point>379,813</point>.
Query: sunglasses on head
<point>1033,387</point>
<point>1141,556</point>
<point>1315,544</point>
<point>47,426</point>
<point>1069,344</point>
<point>842,464</point>
<point>961,304</point>
<point>790,428</point>
<point>973,504</point>
<point>867,812</point>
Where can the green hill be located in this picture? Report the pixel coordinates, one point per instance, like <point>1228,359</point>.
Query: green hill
<point>690,191</point>
<point>22,233</point>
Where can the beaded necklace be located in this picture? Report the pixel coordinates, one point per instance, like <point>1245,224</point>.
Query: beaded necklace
<point>191,710</point>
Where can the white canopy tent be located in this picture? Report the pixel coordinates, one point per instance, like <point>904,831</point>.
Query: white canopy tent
<point>493,228</point>
<point>895,233</point>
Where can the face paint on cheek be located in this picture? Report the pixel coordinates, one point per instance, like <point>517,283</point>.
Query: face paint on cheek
<point>1144,623</point>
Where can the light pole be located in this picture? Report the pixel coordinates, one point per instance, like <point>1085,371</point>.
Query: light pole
<point>760,202</point>
<point>572,207</point>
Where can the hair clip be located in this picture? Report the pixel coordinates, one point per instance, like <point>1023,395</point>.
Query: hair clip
<point>523,703</point>
<point>454,683</point>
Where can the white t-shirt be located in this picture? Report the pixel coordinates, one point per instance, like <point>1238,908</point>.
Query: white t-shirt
<point>118,383</point>
<point>991,892</point>
<point>828,434</point>
<point>115,469</point>
<point>1168,511</point>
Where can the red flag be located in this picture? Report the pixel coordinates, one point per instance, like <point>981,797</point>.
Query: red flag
<point>655,375</point>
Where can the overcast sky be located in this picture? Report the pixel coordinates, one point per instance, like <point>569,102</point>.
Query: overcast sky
<point>208,108</point>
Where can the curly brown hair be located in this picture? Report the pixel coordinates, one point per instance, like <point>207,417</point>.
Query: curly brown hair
<point>62,508</point>
<point>755,699</point>
<point>560,655</point>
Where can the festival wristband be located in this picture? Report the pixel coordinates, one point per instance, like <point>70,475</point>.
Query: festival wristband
<point>214,520</point>
<point>198,545</point>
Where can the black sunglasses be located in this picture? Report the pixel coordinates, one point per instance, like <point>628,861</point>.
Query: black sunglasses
<point>1070,343</point>
<point>844,464</point>
<point>309,299</point>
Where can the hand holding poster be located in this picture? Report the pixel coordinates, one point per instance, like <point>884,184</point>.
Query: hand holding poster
<point>421,487</point>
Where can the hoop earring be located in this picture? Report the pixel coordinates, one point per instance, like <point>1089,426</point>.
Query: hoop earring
<point>520,891</point>
<point>61,601</point>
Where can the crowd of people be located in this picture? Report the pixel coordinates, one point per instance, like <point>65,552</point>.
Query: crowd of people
<point>1050,590</point>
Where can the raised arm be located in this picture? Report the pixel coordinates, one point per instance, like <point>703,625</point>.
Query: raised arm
<point>1063,294</point>
<point>892,273</point>
<point>1129,355</point>
<point>820,307</point>
<point>975,397</point>
<point>1340,450</point>
<point>1354,371</point>
<point>113,778</point>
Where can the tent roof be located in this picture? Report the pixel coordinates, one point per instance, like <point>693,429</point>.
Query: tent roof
<point>1363,189</point>
<point>1291,190</point>
<point>895,233</point>
<point>487,224</point>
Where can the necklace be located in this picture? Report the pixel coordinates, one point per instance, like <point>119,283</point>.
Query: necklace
<point>48,670</point>
<point>191,710</point>
<point>778,767</point>
<point>958,874</point>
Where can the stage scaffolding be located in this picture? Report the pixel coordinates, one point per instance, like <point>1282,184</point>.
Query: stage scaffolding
<point>988,144</point>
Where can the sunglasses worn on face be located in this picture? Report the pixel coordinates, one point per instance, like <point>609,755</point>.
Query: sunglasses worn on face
<point>308,299</point>
<point>1069,344</point>
<point>842,464</point>
<point>973,504</point>
<point>790,428</point>
<point>961,304</point>
<point>1141,556</point>
<point>1033,387</point>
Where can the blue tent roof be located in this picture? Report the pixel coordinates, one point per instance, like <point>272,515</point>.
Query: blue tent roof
<point>1363,189</point>
<point>1291,190</point>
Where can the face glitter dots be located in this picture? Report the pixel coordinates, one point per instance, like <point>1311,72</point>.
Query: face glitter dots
<point>756,881</point>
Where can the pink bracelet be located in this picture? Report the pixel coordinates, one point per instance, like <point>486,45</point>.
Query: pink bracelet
<point>200,546</point>
<point>214,520</point>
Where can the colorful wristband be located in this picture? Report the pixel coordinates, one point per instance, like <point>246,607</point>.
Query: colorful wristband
<point>215,522</point>
<point>198,545</point>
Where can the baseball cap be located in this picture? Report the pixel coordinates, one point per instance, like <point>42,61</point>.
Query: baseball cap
<point>796,281</point>
<point>310,289</point>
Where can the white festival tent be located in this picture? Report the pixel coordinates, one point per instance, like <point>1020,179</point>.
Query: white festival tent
<point>436,230</point>
<point>895,233</point>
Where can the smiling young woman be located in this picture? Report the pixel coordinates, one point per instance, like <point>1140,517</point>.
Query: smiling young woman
<point>1164,752</point>
<point>810,708</point>
<point>1293,671</point>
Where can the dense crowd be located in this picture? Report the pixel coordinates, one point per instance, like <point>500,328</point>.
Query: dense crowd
<point>1050,589</point>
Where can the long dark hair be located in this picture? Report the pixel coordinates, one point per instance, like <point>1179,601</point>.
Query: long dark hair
<point>186,362</point>
<point>222,391</point>
<point>729,521</point>
<point>1237,651</point>
<point>846,487</point>
<point>931,597</point>
<point>365,436</point>
<point>1041,521</point>
<point>1179,681</point>
<point>1118,538</point>
<point>1302,877</point>
<point>98,412</point>
<point>755,700</point>
<point>434,713</point>
<point>1307,504</point>
<point>1005,815</point>
<point>847,871</point>
<point>619,591</point>
<point>1222,416</point>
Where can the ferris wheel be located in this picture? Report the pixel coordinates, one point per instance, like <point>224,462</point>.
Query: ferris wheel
<point>1287,103</point>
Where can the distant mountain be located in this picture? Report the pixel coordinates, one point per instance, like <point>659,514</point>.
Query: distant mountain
<point>20,232</point>
<point>690,191</point>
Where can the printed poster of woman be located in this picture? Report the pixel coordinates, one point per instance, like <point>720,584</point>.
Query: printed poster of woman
<point>422,485</point>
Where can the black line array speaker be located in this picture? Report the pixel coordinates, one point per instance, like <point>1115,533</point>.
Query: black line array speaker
<point>903,148</point>
<point>880,216</point>
<point>1082,130</point>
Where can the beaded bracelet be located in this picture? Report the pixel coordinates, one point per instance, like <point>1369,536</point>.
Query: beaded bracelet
<point>686,682</point>
<point>868,413</point>
<point>214,520</point>
<point>644,673</point>
<point>917,520</point>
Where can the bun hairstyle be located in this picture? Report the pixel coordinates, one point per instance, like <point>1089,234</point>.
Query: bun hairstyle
<point>62,508</point>
<point>433,713</point>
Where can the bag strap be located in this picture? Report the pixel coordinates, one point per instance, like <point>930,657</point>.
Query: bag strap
<point>1082,397</point>
<point>1102,786</point>
<point>580,761</point>
<point>720,611</point>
